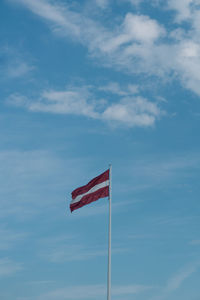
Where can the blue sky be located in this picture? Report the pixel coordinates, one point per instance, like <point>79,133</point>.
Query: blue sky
<point>84,84</point>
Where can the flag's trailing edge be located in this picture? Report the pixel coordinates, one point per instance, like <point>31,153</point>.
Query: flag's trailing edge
<point>95,189</point>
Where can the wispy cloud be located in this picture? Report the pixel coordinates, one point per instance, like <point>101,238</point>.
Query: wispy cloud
<point>71,253</point>
<point>184,9</point>
<point>13,64</point>
<point>62,249</point>
<point>176,281</point>
<point>28,175</point>
<point>136,111</point>
<point>128,111</point>
<point>139,44</point>
<point>92,292</point>
<point>195,242</point>
<point>102,3</point>
<point>66,249</point>
<point>9,267</point>
<point>116,89</point>
<point>160,171</point>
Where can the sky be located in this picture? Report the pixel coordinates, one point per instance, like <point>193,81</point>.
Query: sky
<point>84,84</point>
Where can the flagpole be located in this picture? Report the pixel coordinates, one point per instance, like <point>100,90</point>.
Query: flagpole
<point>109,236</point>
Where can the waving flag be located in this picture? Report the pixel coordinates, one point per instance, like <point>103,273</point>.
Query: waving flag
<point>95,189</point>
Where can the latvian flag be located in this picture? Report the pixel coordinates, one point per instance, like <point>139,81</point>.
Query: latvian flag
<point>95,189</point>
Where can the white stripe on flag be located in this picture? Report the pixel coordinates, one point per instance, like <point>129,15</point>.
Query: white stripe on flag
<point>92,190</point>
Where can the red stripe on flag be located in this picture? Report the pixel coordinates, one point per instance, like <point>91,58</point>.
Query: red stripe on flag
<point>83,189</point>
<point>101,193</point>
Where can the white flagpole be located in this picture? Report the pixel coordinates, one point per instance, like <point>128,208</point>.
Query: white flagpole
<point>109,236</point>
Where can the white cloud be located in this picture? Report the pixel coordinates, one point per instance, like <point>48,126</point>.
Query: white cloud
<point>183,8</point>
<point>135,28</point>
<point>115,88</point>
<point>65,21</point>
<point>135,111</point>
<point>94,35</point>
<point>57,14</point>
<point>65,102</point>
<point>142,28</point>
<point>188,62</point>
<point>129,111</point>
<point>137,44</point>
<point>75,102</point>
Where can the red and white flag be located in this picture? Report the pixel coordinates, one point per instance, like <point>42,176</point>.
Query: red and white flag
<point>95,189</point>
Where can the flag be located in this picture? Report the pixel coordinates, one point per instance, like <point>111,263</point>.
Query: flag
<point>95,189</point>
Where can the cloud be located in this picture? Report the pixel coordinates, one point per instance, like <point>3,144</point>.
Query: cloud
<point>139,44</point>
<point>195,242</point>
<point>63,20</point>
<point>138,2</point>
<point>116,89</point>
<point>93,34</point>
<point>135,28</point>
<point>183,8</point>
<point>65,252</point>
<point>176,281</point>
<point>65,102</point>
<point>135,2</point>
<point>55,13</point>
<point>92,292</point>
<point>27,175</point>
<point>132,112</point>
<point>72,101</point>
<point>8,267</point>
<point>159,171</point>
<point>128,111</point>
<point>61,249</point>
<point>72,253</point>
<point>13,64</point>
<point>102,3</point>
<point>18,69</point>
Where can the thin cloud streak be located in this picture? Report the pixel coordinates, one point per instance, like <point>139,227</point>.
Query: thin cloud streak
<point>176,281</point>
<point>92,292</point>
<point>159,171</point>
<point>62,249</point>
